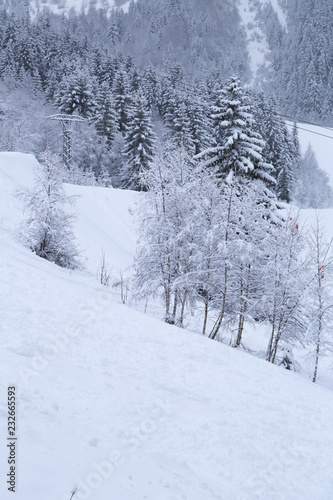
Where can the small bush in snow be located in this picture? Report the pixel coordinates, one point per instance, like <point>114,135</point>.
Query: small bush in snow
<point>47,230</point>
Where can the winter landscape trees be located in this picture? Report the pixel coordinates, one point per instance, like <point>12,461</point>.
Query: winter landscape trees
<point>213,237</point>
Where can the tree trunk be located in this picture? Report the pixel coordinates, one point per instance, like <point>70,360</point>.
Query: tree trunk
<point>183,308</point>
<point>320,325</point>
<point>205,316</point>
<point>175,305</point>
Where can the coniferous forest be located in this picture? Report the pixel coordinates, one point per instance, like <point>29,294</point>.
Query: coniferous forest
<point>155,72</point>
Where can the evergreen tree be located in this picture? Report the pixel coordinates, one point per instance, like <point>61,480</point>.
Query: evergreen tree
<point>200,124</point>
<point>239,147</point>
<point>122,99</point>
<point>139,145</point>
<point>76,94</point>
<point>105,119</point>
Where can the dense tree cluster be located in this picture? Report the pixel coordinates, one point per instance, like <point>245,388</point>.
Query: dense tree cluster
<point>140,79</point>
<point>213,238</point>
<point>103,64</point>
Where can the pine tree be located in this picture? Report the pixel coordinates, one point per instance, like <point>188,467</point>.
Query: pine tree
<point>279,149</point>
<point>200,124</point>
<point>139,145</point>
<point>123,100</point>
<point>239,147</point>
<point>285,182</point>
<point>76,94</point>
<point>105,119</point>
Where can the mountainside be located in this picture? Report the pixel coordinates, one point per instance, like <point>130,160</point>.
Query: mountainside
<point>121,405</point>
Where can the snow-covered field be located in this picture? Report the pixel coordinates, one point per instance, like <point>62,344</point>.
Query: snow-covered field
<point>123,406</point>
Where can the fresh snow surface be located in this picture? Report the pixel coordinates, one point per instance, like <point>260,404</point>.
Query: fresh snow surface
<point>125,407</point>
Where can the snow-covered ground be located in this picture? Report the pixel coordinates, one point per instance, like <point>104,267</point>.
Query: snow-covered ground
<point>123,406</point>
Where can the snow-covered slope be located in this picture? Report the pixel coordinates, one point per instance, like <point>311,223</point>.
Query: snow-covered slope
<point>126,407</point>
<point>104,220</point>
<point>256,40</point>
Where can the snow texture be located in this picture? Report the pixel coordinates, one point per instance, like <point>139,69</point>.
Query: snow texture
<point>125,407</point>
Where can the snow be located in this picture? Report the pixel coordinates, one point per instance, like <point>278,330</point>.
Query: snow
<point>125,407</point>
<point>279,11</point>
<point>257,43</point>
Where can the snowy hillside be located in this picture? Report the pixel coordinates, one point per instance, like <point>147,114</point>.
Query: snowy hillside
<point>256,40</point>
<point>125,407</point>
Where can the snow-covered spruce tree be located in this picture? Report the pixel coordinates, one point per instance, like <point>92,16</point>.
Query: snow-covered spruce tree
<point>123,99</point>
<point>279,149</point>
<point>139,145</point>
<point>47,231</point>
<point>285,178</point>
<point>181,118</point>
<point>105,119</point>
<point>319,294</point>
<point>76,94</point>
<point>239,147</point>
<point>200,123</point>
